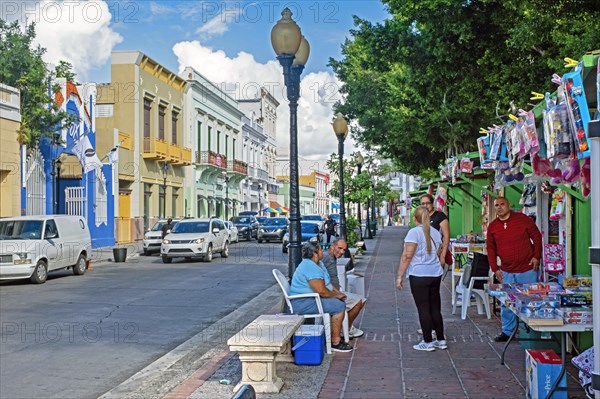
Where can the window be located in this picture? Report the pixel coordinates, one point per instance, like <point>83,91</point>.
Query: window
<point>174,197</point>
<point>218,142</point>
<point>233,150</point>
<point>50,231</point>
<point>174,116</point>
<point>199,136</point>
<point>209,138</point>
<point>161,122</point>
<point>147,112</point>
<point>226,146</point>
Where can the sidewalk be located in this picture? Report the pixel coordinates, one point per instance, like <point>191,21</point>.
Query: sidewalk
<point>383,363</point>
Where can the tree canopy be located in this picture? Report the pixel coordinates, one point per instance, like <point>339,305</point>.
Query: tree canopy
<point>425,80</point>
<point>22,66</point>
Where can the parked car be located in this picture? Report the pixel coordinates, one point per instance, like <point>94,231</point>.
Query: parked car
<point>247,226</point>
<point>153,238</point>
<point>196,238</point>
<point>308,230</point>
<point>261,220</point>
<point>31,246</point>
<point>315,218</point>
<point>233,231</point>
<point>272,229</point>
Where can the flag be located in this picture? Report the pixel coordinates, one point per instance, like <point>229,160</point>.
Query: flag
<point>113,155</point>
<point>86,154</point>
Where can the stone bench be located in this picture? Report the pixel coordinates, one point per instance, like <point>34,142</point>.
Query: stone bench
<point>261,344</point>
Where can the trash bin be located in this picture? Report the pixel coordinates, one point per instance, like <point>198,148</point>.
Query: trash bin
<point>120,254</point>
<point>373,227</point>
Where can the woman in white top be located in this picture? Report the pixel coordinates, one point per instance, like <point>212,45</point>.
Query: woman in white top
<point>421,261</point>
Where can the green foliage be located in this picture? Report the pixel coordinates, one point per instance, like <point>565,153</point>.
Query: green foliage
<point>424,81</point>
<point>351,236</point>
<point>22,66</point>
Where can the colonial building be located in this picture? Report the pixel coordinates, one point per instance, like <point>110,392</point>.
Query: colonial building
<point>10,122</point>
<point>319,181</point>
<point>213,130</point>
<point>260,143</point>
<point>140,113</point>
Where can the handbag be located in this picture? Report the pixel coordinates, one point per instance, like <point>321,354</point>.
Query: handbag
<point>449,259</point>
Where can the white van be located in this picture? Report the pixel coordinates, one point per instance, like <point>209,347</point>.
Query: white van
<point>31,246</point>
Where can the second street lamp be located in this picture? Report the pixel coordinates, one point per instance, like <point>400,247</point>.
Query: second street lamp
<point>340,127</point>
<point>359,161</point>
<point>226,179</point>
<point>292,51</point>
<point>165,170</point>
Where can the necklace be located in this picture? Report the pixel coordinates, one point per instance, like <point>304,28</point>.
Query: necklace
<point>504,225</point>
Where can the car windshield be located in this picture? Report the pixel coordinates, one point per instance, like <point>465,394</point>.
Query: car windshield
<point>309,228</point>
<point>274,222</point>
<point>158,226</point>
<point>21,229</point>
<point>312,217</point>
<point>191,227</point>
<point>242,220</point>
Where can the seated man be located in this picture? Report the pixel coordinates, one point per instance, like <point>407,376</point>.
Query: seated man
<point>311,276</point>
<point>354,302</point>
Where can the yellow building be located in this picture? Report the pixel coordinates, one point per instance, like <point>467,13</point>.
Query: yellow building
<point>10,122</point>
<point>141,111</point>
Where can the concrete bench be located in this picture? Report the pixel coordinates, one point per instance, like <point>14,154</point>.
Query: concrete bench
<point>261,344</point>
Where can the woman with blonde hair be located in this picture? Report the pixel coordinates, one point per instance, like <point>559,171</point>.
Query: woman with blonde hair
<point>420,260</point>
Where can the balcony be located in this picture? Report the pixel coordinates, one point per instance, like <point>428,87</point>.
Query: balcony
<point>186,156</point>
<point>174,153</point>
<point>154,148</point>
<point>211,158</point>
<point>238,167</point>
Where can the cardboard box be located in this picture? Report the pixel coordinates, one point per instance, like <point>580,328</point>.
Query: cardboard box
<point>309,345</point>
<point>542,367</point>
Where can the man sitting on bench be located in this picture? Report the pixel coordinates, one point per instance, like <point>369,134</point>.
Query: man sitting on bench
<point>354,302</point>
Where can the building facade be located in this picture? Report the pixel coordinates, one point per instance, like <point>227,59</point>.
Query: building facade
<point>140,113</point>
<point>10,123</point>
<point>319,181</point>
<point>260,152</point>
<point>213,123</point>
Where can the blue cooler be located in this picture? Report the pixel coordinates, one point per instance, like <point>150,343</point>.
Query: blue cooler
<point>309,344</point>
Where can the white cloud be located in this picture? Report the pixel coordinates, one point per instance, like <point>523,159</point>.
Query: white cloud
<point>218,25</point>
<point>242,75</point>
<point>78,32</point>
<point>160,8</point>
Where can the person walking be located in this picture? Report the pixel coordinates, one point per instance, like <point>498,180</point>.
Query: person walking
<point>330,228</point>
<point>515,240</point>
<point>438,221</point>
<point>166,228</point>
<point>420,260</point>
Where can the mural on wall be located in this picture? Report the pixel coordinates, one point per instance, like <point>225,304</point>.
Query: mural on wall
<point>89,193</point>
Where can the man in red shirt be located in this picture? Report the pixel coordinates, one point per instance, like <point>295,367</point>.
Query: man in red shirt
<point>515,239</point>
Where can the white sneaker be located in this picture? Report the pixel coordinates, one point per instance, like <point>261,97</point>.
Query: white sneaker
<point>441,344</point>
<point>355,332</point>
<point>424,346</point>
<point>420,332</point>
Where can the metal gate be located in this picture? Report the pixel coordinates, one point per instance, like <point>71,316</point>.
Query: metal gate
<point>35,184</point>
<point>101,204</point>
<point>75,201</point>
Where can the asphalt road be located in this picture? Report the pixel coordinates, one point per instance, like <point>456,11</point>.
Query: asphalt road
<point>80,336</point>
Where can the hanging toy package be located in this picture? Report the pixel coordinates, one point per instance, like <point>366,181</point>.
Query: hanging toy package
<point>483,144</point>
<point>556,130</point>
<point>578,112</point>
<point>532,143</point>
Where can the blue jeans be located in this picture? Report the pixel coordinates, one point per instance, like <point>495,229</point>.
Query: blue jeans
<point>509,319</point>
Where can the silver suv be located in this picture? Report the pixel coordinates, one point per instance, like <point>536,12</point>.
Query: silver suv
<point>196,238</point>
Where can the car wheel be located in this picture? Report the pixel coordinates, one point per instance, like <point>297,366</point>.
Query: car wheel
<point>147,253</point>
<point>166,259</point>
<point>81,265</point>
<point>40,274</point>
<point>225,251</point>
<point>209,254</point>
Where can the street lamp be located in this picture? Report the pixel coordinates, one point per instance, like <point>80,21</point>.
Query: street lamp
<point>226,178</point>
<point>58,167</point>
<point>340,127</point>
<point>259,200</point>
<point>358,158</point>
<point>165,170</point>
<point>292,51</point>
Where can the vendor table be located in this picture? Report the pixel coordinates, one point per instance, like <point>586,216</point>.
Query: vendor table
<point>562,332</point>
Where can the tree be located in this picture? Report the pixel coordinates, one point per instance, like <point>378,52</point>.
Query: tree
<point>22,66</point>
<point>425,80</point>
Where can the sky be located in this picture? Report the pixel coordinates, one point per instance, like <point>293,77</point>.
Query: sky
<point>226,41</point>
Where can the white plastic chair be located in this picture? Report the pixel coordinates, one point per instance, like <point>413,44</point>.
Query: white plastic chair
<point>466,288</point>
<point>322,316</point>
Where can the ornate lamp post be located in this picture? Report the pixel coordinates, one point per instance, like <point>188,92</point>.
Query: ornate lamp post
<point>292,51</point>
<point>165,170</point>
<point>226,178</point>
<point>57,203</point>
<point>340,127</point>
<point>369,234</point>
<point>359,162</point>
<point>259,200</point>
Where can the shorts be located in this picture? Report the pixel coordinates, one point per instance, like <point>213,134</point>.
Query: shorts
<point>309,306</point>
